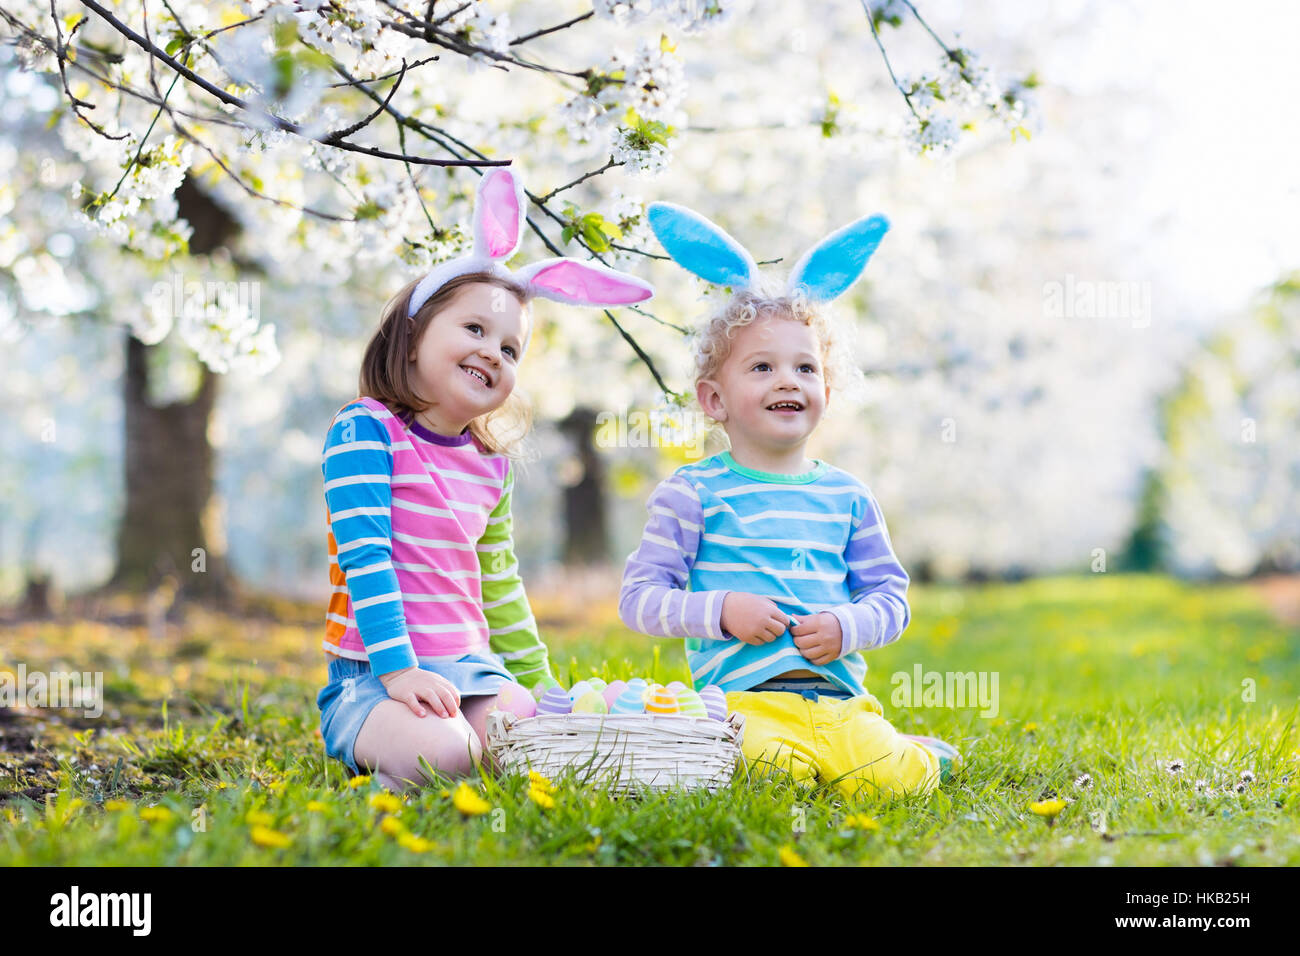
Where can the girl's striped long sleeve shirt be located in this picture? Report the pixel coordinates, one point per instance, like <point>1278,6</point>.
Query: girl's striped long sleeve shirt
<point>421,548</point>
<point>810,543</point>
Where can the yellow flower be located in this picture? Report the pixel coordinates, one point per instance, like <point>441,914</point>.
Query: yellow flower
<point>414,843</point>
<point>1047,808</point>
<point>113,806</point>
<point>259,818</point>
<point>537,782</point>
<point>541,798</point>
<point>360,781</point>
<point>265,836</point>
<point>276,787</point>
<point>1029,728</point>
<point>791,858</point>
<point>315,806</point>
<point>444,793</point>
<point>391,825</point>
<point>386,802</point>
<point>860,821</point>
<point>157,814</point>
<point>222,785</point>
<point>468,802</point>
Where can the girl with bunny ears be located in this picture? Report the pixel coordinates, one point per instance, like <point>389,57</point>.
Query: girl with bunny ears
<point>779,571</point>
<point>429,617</point>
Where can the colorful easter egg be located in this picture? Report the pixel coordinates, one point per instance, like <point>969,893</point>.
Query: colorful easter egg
<point>677,687</point>
<point>543,685</point>
<point>590,703</point>
<point>691,704</point>
<point>662,701</point>
<point>612,690</point>
<point>629,702</point>
<point>555,701</point>
<point>715,701</point>
<point>596,683</point>
<point>516,700</point>
<point>579,689</point>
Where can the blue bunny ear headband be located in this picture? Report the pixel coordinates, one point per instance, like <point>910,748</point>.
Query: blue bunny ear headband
<point>824,272</point>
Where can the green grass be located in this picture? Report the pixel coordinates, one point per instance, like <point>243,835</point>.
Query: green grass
<point>1106,675</point>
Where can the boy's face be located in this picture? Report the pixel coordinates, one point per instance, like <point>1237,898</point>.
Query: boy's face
<point>771,391</point>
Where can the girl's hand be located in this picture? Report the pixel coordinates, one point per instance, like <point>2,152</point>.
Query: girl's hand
<point>819,637</point>
<point>752,619</point>
<point>413,684</point>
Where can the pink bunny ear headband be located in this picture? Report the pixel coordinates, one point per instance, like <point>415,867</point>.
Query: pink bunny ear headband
<point>499,211</point>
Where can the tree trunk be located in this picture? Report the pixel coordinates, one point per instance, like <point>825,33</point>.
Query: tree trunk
<point>168,461</point>
<point>586,540</point>
<point>168,467</point>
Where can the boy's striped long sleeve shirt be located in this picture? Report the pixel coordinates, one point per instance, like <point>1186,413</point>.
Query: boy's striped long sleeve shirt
<point>810,543</point>
<point>421,547</point>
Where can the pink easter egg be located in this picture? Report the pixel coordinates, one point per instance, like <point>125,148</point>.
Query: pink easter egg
<point>517,700</point>
<point>612,690</point>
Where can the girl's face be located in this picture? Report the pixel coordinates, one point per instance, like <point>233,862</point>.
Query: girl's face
<point>466,360</point>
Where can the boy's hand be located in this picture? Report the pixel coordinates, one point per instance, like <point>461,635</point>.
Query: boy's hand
<point>413,684</point>
<point>752,619</point>
<point>819,637</point>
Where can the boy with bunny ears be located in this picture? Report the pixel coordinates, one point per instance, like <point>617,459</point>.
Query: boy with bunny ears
<point>779,571</point>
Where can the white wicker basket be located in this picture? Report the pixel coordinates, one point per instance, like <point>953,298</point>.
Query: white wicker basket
<point>623,753</point>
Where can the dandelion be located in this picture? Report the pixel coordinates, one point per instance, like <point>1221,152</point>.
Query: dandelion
<point>259,818</point>
<point>1247,777</point>
<point>116,806</point>
<point>1029,728</point>
<point>391,826</point>
<point>1242,787</point>
<point>860,821</point>
<point>315,806</point>
<point>155,814</point>
<point>385,802</point>
<point>468,802</point>
<point>1083,781</point>
<point>541,798</point>
<point>789,857</point>
<point>538,782</point>
<point>1047,808</point>
<point>415,844</point>
<point>358,782</point>
<point>1175,766</point>
<point>444,793</point>
<point>265,836</point>
<point>1201,786</point>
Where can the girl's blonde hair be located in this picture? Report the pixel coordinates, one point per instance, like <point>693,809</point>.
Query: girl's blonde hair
<point>712,342</point>
<point>386,371</point>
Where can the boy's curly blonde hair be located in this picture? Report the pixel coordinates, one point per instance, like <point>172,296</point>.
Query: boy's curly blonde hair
<point>712,341</point>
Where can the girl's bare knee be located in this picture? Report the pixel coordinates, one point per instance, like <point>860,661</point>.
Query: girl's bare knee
<point>392,740</point>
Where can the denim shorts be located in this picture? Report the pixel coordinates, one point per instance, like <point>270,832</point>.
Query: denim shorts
<point>353,691</point>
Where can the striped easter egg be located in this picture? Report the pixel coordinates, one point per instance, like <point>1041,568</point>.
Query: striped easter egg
<point>691,704</point>
<point>629,702</point>
<point>555,701</point>
<point>715,701</point>
<point>662,701</point>
<point>543,685</point>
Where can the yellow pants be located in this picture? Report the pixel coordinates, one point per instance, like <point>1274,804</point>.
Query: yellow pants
<point>847,743</point>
